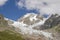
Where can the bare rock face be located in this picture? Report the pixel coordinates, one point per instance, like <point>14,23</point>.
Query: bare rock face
<point>51,22</point>
<point>2,21</point>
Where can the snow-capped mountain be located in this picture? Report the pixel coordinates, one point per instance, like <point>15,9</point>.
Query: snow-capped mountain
<point>31,18</point>
<point>31,24</point>
<point>27,23</point>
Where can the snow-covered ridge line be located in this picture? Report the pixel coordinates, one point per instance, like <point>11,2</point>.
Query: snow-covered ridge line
<point>28,14</point>
<point>27,30</point>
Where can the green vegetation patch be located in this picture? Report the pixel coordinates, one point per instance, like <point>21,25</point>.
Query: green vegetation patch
<point>9,35</point>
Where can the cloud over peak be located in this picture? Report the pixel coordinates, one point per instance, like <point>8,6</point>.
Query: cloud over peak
<point>44,6</point>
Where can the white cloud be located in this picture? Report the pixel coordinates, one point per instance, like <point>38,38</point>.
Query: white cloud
<point>20,4</point>
<point>44,6</point>
<point>2,2</point>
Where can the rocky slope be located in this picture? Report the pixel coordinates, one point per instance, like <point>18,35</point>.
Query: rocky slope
<point>36,27</point>
<point>52,25</point>
<point>8,32</point>
<point>26,26</point>
<point>49,25</point>
<point>53,21</point>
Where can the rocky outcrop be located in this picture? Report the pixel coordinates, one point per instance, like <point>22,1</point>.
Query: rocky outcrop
<point>2,21</point>
<point>51,22</point>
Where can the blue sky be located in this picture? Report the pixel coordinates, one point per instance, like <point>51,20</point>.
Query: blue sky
<point>14,9</point>
<point>11,10</point>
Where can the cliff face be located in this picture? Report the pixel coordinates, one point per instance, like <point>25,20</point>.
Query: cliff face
<point>53,21</point>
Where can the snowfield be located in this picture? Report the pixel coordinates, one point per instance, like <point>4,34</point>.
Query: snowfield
<point>28,29</point>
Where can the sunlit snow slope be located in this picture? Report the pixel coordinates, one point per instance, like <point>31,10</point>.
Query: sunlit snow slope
<point>28,29</point>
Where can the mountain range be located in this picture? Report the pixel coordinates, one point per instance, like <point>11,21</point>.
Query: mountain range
<point>33,27</point>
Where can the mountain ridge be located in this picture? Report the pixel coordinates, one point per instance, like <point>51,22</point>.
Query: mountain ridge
<point>34,27</point>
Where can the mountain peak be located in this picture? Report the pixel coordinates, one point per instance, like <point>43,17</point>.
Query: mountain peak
<point>30,18</point>
<point>31,24</point>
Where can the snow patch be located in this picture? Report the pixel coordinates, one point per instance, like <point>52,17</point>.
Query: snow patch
<point>33,18</point>
<point>26,15</point>
<point>28,30</point>
<point>39,23</point>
